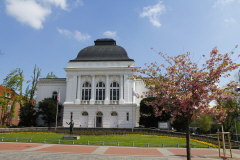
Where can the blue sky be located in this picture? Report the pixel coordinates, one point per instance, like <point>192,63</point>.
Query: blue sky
<point>49,33</point>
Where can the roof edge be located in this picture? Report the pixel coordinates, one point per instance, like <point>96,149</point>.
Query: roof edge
<point>77,60</point>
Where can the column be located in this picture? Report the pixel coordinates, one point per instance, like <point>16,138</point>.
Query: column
<point>121,101</point>
<point>126,88</point>
<point>78,100</point>
<point>74,89</point>
<point>92,101</point>
<point>107,90</point>
<point>68,89</point>
<point>133,89</point>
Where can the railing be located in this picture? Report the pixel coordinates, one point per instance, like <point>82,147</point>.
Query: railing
<point>98,143</point>
<point>99,102</point>
<point>85,102</point>
<point>114,102</point>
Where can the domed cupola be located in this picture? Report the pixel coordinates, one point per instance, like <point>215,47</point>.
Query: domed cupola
<point>104,50</point>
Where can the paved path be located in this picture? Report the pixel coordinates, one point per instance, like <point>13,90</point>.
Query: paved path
<point>35,151</point>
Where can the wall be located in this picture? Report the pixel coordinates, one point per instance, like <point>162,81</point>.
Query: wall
<point>105,109</point>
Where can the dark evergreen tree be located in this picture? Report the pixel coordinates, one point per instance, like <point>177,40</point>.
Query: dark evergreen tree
<point>47,111</point>
<point>27,115</point>
<point>147,117</point>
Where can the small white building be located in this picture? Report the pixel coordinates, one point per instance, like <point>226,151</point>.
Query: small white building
<point>98,89</point>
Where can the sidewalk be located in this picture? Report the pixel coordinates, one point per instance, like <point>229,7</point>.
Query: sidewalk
<point>35,151</point>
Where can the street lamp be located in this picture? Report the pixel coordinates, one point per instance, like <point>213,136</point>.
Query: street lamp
<point>58,100</point>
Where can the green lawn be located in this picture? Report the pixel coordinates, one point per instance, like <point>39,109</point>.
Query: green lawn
<point>111,140</point>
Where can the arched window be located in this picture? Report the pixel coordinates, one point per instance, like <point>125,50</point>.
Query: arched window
<point>100,91</point>
<point>86,91</point>
<point>114,113</point>
<point>54,95</point>
<point>84,113</point>
<point>99,114</point>
<point>114,91</point>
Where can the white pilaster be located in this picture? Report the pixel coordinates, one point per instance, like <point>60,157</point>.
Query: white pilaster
<point>92,100</point>
<point>126,88</point>
<point>78,100</point>
<point>121,101</point>
<point>107,90</point>
<point>68,90</point>
<point>133,89</point>
<point>74,89</point>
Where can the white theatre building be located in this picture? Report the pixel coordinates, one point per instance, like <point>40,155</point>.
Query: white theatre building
<point>98,89</point>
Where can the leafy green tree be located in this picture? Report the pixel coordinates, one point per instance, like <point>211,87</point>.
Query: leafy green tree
<point>233,110</point>
<point>14,80</point>
<point>27,111</point>
<point>204,123</point>
<point>47,111</point>
<point>189,87</point>
<point>4,101</point>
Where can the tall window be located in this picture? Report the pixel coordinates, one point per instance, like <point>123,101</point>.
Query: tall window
<point>54,95</point>
<point>86,91</point>
<point>100,91</point>
<point>114,91</point>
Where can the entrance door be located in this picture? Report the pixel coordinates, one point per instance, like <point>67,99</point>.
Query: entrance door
<point>84,120</point>
<point>99,116</point>
<point>114,120</point>
<point>99,122</point>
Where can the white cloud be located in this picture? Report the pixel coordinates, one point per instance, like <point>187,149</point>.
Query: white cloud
<point>58,3</point>
<point>34,12</point>
<point>28,12</point>
<point>112,34</point>
<point>153,13</point>
<point>230,20</point>
<point>224,2</point>
<point>78,3</point>
<point>74,34</point>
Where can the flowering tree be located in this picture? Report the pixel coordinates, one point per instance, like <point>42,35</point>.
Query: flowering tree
<point>185,88</point>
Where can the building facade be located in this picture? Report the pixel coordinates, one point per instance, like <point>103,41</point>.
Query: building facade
<point>9,107</point>
<point>98,89</point>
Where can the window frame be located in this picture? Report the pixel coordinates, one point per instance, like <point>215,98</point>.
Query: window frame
<point>100,91</point>
<point>114,91</point>
<point>86,91</point>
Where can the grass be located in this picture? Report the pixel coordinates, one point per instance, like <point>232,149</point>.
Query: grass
<point>111,140</point>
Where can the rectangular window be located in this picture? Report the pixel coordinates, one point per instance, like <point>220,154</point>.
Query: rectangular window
<point>111,97</point>
<point>89,94</point>
<point>8,95</point>
<point>117,98</point>
<point>9,107</point>
<point>127,116</point>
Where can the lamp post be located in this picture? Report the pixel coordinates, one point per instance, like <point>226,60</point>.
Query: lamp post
<point>58,100</point>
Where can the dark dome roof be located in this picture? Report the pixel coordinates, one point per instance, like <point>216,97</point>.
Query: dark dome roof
<point>104,50</point>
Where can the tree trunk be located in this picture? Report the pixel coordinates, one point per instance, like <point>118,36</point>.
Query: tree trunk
<point>188,141</point>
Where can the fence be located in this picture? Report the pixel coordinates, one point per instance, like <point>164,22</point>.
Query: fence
<point>99,143</point>
<point>119,131</point>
